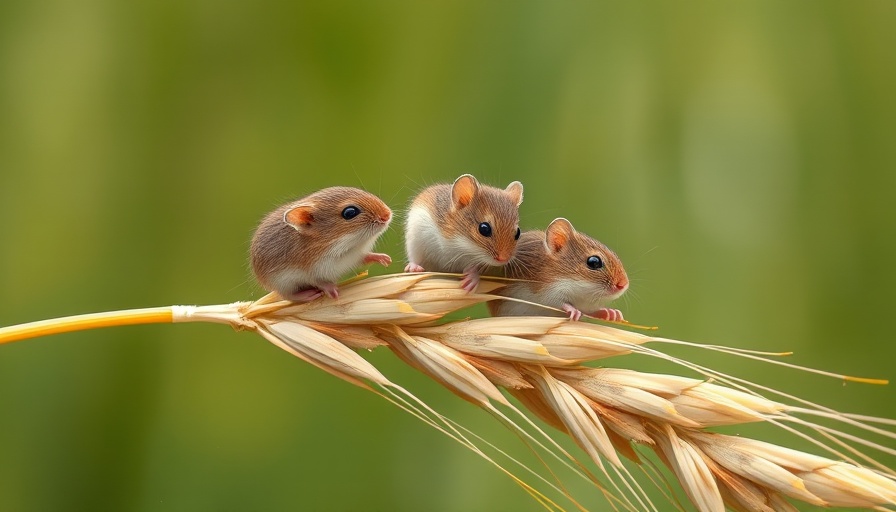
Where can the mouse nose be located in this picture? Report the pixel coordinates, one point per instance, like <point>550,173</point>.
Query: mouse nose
<point>501,258</point>
<point>621,284</point>
<point>384,217</point>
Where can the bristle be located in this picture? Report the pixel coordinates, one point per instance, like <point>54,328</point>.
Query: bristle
<point>608,412</point>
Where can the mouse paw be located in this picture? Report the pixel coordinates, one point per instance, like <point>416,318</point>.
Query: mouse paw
<point>378,257</point>
<point>330,289</point>
<point>470,280</point>
<point>413,268</point>
<point>304,295</point>
<point>608,314</point>
<point>574,313</point>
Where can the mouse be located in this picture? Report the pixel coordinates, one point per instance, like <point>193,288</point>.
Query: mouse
<point>464,228</point>
<point>302,248</point>
<point>565,269</point>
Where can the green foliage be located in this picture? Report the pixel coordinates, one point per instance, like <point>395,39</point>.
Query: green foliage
<point>739,158</point>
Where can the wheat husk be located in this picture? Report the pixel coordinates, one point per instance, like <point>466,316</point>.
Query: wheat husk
<point>610,413</point>
<point>443,364</point>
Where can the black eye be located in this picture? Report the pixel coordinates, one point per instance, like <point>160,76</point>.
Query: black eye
<point>350,212</point>
<point>517,235</point>
<point>594,262</point>
<point>485,229</point>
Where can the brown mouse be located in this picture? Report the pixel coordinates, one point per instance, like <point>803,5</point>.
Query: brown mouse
<point>564,269</point>
<point>302,248</point>
<point>464,228</point>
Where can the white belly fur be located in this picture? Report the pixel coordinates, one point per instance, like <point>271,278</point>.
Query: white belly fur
<point>427,247</point>
<point>344,256</point>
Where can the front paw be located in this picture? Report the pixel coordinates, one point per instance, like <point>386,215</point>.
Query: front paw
<point>574,313</point>
<point>608,314</point>
<point>470,281</point>
<point>378,257</point>
<point>413,268</point>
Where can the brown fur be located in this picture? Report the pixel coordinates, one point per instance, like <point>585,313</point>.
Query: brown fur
<point>545,258</point>
<point>535,262</point>
<point>277,245</point>
<point>498,207</point>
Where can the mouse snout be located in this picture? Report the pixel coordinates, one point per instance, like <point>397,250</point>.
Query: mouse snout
<point>502,257</point>
<point>384,216</point>
<point>621,284</point>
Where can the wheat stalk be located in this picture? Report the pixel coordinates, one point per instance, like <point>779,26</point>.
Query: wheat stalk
<point>608,412</point>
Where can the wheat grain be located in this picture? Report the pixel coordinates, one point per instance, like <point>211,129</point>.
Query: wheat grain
<point>608,412</point>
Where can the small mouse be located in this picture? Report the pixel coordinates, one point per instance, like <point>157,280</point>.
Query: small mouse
<point>302,248</point>
<point>565,269</point>
<point>463,228</point>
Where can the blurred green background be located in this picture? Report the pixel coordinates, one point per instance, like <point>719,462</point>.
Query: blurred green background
<point>739,157</point>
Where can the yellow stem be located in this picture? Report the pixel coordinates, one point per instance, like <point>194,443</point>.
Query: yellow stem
<point>84,322</point>
<point>866,380</point>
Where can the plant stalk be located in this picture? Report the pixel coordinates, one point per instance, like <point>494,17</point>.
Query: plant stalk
<point>161,315</point>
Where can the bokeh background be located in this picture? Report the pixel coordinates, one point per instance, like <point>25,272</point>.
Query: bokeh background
<point>739,157</point>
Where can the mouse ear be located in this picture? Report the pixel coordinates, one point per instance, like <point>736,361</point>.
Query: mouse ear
<point>299,217</point>
<point>515,190</point>
<point>464,190</point>
<point>558,234</point>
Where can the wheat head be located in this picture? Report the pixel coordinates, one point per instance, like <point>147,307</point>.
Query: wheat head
<point>612,414</point>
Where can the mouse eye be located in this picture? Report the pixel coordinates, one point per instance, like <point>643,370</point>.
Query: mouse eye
<point>594,262</point>
<point>517,235</point>
<point>350,212</point>
<point>485,229</point>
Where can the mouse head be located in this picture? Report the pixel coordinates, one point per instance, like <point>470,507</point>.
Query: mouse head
<point>488,217</point>
<point>344,214</point>
<point>585,261</point>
